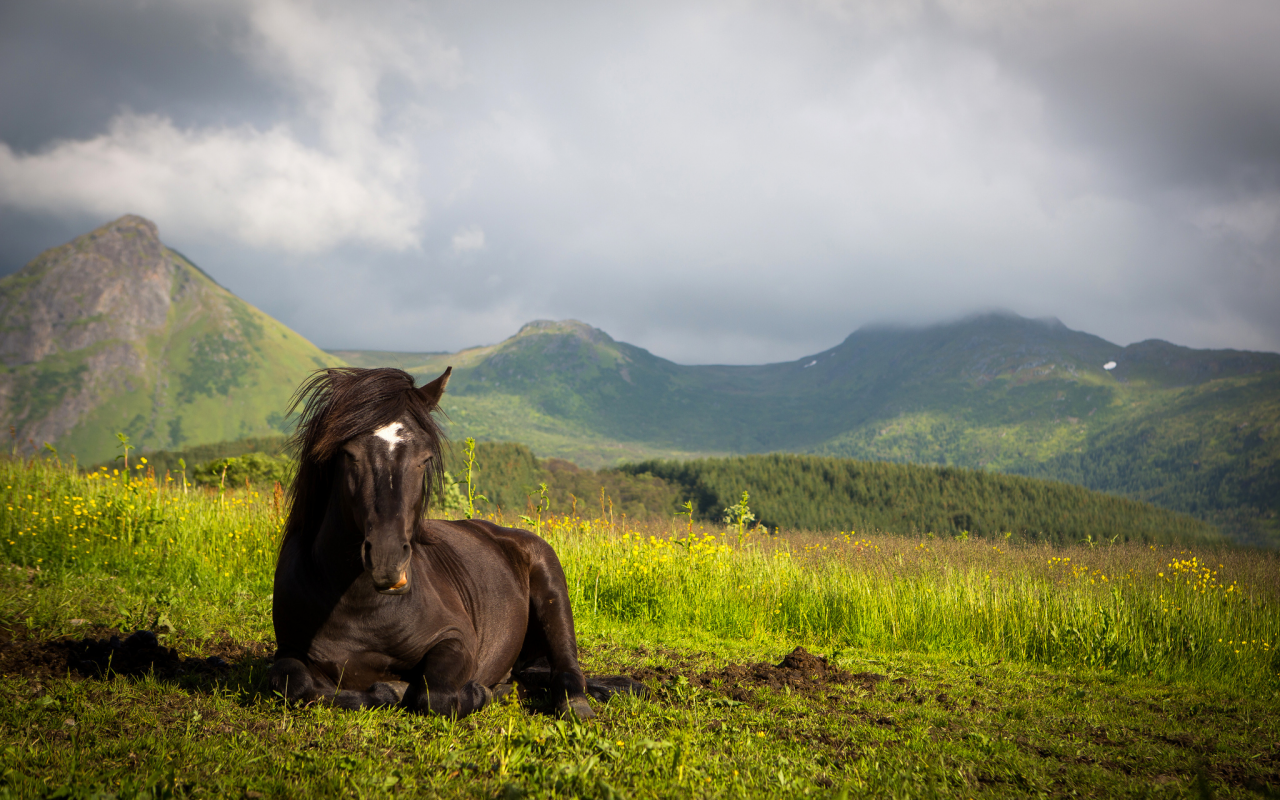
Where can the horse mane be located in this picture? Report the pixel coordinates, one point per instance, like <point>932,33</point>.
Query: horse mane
<point>339,404</point>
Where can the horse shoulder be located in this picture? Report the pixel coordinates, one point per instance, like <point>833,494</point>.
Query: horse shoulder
<point>520,548</point>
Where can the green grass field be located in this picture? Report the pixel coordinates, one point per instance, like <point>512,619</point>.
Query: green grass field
<point>955,667</point>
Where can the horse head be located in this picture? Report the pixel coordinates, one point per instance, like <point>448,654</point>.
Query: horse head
<point>383,485</point>
<point>370,435</point>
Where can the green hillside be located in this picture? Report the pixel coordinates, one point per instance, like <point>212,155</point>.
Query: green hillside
<point>545,387</point>
<point>114,332</point>
<point>170,461</point>
<point>994,391</point>
<point>1211,450</point>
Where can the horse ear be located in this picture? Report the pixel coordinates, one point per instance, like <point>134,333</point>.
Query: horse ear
<point>435,390</point>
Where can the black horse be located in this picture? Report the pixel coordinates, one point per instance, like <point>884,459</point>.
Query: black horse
<point>376,605</point>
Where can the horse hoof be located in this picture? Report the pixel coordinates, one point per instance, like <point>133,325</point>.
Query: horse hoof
<point>503,689</point>
<point>575,707</point>
<point>389,692</point>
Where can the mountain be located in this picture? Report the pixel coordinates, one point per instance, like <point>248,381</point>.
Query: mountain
<point>1191,430</point>
<point>114,332</point>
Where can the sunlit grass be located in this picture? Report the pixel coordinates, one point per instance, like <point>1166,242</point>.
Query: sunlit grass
<point>1207,615</point>
<point>1127,608</point>
<point>111,522</point>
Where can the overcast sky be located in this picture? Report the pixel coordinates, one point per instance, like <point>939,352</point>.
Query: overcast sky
<point>734,182</point>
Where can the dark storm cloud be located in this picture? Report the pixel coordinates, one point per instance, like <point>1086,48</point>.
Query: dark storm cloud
<point>66,68</point>
<point>1174,93</point>
<point>716,181</point>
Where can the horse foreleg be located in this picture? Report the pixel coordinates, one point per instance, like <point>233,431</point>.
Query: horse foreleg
<point>549,603</point>
<point>444,687</point>
<point>437,698</point>
<point>294,681</point>
<point>379,695</point>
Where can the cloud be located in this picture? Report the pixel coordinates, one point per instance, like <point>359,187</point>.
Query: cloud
<point>468,239</point>
<point>262,188</point>
<point>724,181</point>
<point>266,185</point>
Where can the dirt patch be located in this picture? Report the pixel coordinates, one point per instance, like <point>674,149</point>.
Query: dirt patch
<point>799,670</point>
<point>140,653</point>
<point>33,658</point>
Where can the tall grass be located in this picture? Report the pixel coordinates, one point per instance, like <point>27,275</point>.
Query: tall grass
<point>214,541</point>
<point>1205,614</point>
<point>1128,608</point>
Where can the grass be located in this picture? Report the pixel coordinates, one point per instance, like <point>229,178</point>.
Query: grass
<point>1131,609</point>
<point>1001,669</point>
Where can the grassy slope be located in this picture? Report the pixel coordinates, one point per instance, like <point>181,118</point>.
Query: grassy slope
<point>504,417</point>
<point>211,388</point>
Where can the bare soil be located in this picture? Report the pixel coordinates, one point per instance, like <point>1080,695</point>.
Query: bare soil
<point>800,671</point>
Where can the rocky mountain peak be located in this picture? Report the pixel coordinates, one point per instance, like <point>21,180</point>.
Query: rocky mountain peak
<point>128,225</point>
<point>571,327</point>
<point>111,283</point>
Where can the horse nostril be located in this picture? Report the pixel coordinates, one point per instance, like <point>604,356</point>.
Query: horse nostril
<point>406,547</point>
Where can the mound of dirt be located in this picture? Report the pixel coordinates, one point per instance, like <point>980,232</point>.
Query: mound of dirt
<point>800,670</point>
<point>33,659</point>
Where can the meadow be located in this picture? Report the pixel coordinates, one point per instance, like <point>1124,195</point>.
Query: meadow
<point>954,666</point>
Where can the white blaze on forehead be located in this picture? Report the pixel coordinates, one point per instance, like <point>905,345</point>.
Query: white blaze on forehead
<point>391,435</point>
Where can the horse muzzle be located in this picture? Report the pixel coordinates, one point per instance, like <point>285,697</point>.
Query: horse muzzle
<point>397,586</point>
<point>389,568</point>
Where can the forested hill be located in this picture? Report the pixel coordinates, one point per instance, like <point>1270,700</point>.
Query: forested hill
<point>800,492</point>
<point>835,494</point>
<point>1191,430</point>
<point>816,493</point>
